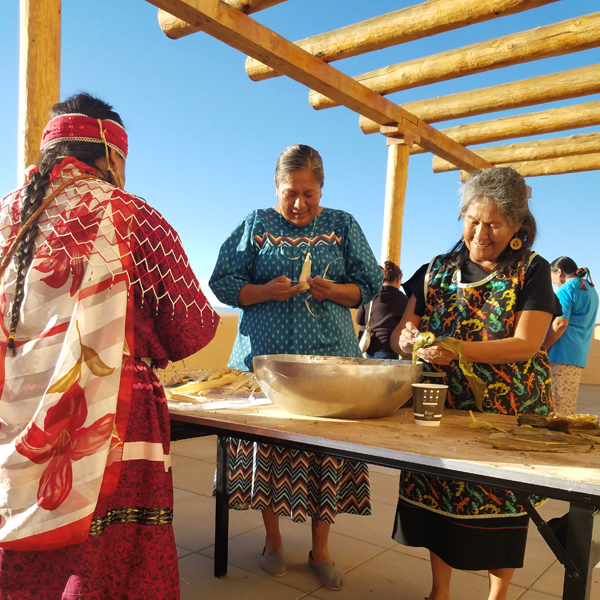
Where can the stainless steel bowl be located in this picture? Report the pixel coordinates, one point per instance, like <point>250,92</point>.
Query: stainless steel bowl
<point>331,386</point>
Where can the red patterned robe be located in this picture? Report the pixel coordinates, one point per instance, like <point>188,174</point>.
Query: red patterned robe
<point>86,494</point>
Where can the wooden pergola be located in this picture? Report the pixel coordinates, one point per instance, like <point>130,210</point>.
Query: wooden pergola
<point>407,128</point>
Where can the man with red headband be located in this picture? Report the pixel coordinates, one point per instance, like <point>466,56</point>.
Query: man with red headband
<point>95,291</point>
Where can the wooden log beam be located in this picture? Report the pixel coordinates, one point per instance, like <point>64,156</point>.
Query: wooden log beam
<point>554,166</point>
<point>556,39</point>
<point>395,195</point>
<point>575,116</point>
<point>175,28</point>
<point>573,145</point>
<point>39,74</point>
<point>527,92</point>
<point>399,27</point>
<point>250,37</point>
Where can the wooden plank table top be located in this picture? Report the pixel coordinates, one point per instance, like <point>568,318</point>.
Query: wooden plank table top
<point>452,450</point>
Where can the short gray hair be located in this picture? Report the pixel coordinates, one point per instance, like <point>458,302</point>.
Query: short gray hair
<point>507,190</point>
<point>296,158</point>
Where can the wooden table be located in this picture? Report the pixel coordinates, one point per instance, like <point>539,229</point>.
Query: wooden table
<point>452,450</point>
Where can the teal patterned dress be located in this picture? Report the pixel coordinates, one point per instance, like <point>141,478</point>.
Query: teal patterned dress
<point>471,526</point>
<point>264,246</point>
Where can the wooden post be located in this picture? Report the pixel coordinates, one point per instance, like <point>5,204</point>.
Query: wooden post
<point>395,194</point>
<point>39,74</point>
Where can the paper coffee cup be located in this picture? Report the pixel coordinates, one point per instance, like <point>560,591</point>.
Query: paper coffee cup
<point>428,403</point>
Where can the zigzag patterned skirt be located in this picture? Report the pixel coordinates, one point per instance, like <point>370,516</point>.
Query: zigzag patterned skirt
<point>296,484</point>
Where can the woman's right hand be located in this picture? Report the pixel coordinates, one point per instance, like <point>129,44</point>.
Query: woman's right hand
<point>408,337</point>
<point>281,288</point>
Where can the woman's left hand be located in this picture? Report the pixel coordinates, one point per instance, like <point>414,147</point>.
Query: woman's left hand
<point>437,355</point>
<point>320,288</point>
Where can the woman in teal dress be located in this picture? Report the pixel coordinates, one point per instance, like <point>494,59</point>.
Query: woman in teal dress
<point>495,295</point>
<point>259,270</point>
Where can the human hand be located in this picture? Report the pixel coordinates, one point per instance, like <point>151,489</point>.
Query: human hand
<point>281,289</point>
<point>437,355</point>
<point>320,289</point>
<point>408,337</point>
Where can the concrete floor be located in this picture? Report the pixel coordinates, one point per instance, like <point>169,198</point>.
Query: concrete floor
<point>377,567</point>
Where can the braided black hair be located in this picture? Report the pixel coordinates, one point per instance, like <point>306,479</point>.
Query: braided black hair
<point>35,191</point>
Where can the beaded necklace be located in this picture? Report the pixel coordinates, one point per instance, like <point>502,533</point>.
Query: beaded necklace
<point>307,249</point>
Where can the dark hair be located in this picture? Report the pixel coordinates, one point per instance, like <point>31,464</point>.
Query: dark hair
<point>35,190</point>
<point>505,188</point>
<point>391,271</point>
<point>569,268</point>
<point>297,158</point>
<point>565,264</point>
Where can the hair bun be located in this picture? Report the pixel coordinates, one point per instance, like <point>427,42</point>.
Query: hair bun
<point>580,274</point>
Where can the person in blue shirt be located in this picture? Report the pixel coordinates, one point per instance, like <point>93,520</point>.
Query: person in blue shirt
<point>570,335</point>
<point>295,270</point>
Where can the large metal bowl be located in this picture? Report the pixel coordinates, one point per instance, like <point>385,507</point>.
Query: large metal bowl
<point>331,386</point>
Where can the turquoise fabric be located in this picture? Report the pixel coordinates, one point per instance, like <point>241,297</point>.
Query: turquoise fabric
<point>580,307</point>
<point>264,246</point>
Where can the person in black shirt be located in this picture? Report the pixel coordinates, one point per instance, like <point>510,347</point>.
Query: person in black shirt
<point>385,313</point>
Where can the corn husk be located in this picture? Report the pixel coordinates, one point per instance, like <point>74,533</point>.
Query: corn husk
<point>226,381</point>
<point>533,439</point>
<point>477,385</point>
<point>557,422</point>
<point>305,274</point>
<point>201,386</point>
<point>481,424</point>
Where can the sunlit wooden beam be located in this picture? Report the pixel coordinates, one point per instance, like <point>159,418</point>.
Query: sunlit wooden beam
<point>39,75</point>
<point>175,28</point>
<point>573,145</point>
<point>250,37</point>
<point>398,27</point>
<point>527,92</point>
<point>575,116</point>
<point>555,166</point>
<point>557,39</point>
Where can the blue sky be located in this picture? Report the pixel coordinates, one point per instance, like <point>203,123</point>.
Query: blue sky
<point>204,139</point>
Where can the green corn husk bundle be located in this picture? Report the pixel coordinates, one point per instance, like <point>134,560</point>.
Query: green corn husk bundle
<point>533,438</point>
<point>477,385</point>
<point>556,422</point>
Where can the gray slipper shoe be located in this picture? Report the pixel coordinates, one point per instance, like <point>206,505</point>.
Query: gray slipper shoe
<point>329,573</point>
<point>273,563</point>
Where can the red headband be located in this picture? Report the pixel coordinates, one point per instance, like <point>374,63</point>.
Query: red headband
<point>79,128</point>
